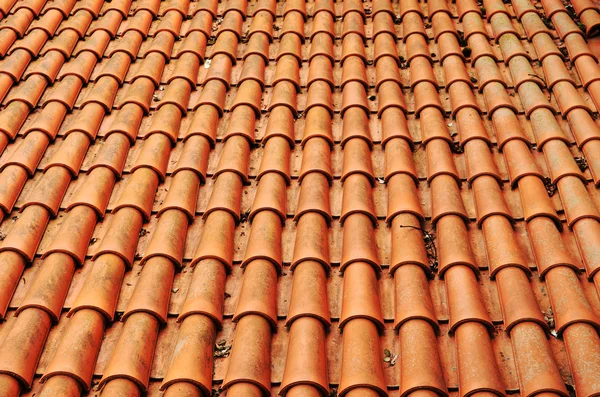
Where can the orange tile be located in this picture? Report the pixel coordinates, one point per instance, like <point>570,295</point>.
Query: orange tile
<point>304,198</point>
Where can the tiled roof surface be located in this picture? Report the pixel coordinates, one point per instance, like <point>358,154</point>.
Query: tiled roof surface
<point>261,197</point>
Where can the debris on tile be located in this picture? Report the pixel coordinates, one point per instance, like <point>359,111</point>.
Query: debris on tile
<point>461,39</point>
<point>429,239</point>
<point>389,358</point>
<point>244,216</point>
<point>571,10</point>
<point>581,163</point>
<point>403,63</point>
<point>549,317</point>
<point>551,188</point>
<point>457,148</point>
<point>222,349</point>
<point>547,22</point>
<point>563,50</point>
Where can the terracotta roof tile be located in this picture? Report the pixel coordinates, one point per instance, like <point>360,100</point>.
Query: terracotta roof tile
<point>299,198</point>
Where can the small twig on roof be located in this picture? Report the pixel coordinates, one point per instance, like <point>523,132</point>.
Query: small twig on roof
<point>430,248</point>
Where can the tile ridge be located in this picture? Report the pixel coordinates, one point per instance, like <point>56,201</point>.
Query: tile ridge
<point>147,308</point>
<point>42,204</point>
<point>361,318</point>
<point>92,310</point>
<point>202,310</point>
<point>308,314</point>
<point>522,317</point>
<point>410,262</point>
<point>256,312</point>
<point>469,320</point>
